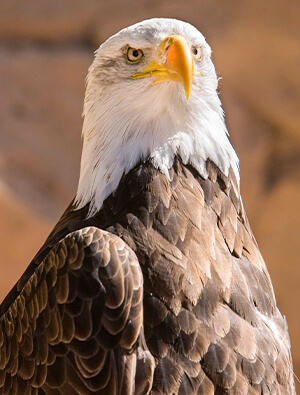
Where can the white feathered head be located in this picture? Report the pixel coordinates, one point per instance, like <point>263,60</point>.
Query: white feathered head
<point>151,92</point>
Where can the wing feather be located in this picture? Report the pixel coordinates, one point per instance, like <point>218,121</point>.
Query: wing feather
<point>77,321</point>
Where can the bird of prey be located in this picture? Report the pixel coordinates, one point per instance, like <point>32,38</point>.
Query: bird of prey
<point>151,282</point>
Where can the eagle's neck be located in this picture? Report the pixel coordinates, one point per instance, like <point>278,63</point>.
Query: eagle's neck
<point>116,136</point>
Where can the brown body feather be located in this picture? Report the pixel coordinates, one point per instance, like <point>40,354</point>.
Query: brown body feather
<point>200,320</point>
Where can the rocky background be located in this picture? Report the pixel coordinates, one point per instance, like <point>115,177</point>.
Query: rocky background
<point>45,50</point>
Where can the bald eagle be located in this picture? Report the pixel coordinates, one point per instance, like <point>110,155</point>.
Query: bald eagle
<point>151,281</point>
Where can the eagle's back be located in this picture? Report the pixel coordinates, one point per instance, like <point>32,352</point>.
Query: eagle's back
<point>210,316</point>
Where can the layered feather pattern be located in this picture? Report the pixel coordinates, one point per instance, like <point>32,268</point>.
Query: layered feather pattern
<point>205,318</point>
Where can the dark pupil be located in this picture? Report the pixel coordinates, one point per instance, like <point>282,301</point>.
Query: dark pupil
<point>195,51</point>
<point>135,53</point>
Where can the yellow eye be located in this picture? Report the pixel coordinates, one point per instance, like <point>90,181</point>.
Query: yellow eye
<point>197,52</point>
<point>134,55</point>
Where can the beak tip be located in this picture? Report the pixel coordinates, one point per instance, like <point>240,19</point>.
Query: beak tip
<point>187,90</point>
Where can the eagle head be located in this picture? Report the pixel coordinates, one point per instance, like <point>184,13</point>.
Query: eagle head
<point>151,94</point>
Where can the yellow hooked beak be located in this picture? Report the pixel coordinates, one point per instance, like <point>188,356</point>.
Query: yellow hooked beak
<point>175,63</point>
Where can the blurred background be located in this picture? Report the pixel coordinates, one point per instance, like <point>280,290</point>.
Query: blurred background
<point>46,48</point>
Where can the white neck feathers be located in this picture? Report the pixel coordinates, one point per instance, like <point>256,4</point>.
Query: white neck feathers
<point>119,134</point>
